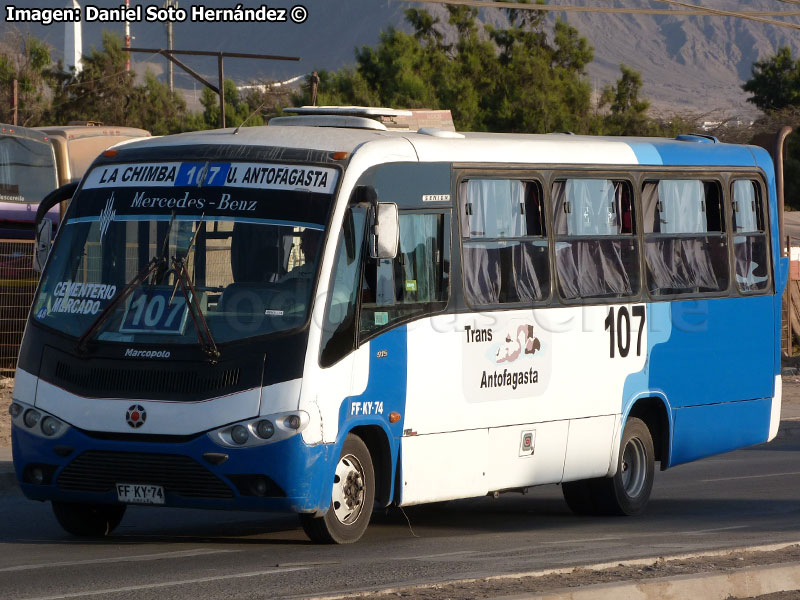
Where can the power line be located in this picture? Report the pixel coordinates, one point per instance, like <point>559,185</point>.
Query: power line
<point>730,13</point>
<point>690,10</point>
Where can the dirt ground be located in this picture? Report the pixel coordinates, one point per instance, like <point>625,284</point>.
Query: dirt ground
<point>6,387</point>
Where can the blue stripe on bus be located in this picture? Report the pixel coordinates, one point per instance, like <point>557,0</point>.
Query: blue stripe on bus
<point>674,153</point>
<point>646,153</point>
<point>701,431</point>
<point>386,389</point>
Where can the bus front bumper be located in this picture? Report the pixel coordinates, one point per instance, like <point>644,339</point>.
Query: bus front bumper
<point>286,476</point>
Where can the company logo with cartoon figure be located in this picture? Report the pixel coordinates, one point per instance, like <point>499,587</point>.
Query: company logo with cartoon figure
<point>503,361</point>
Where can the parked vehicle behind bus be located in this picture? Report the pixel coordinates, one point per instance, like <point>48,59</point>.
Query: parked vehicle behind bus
<point>33,163</point>
<point>325,315</point>
<point>27,174</point>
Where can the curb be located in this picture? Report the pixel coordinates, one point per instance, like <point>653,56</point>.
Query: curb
<point>742,583</point>
<point>658,587</point>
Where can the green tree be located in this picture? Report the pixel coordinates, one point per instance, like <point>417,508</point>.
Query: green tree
<point>628,114</point>
<point>492,79</point>
<point>105,91</point>
<point>776,81</point>
<point>237,107</point>
<point>24,59</point>
<point>102,91</point>
<point>153,107</point>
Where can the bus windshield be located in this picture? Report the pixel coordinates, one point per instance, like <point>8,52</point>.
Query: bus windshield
<point>250,251</point>
<point>27,174</point>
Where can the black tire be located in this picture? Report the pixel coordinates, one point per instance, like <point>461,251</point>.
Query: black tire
<point>628,491</point>
<point>88,520</point>
<point>578,495</point>
<point>352,497</point>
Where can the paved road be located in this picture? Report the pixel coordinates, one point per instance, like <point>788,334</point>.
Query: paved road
<point>747,497</point>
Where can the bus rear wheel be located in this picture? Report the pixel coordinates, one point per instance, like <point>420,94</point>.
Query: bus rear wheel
<point>352,497</point>
<point>628,491</point>
<point>88,520</point>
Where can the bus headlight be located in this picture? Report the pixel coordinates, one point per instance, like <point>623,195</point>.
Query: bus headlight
<point>36,422</point>
<point>239,434</point>
<point>50,426</point>
<point>266,429</point>
<point>31,418</point>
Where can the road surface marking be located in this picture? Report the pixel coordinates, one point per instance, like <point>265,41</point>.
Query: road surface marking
<point>423,556</point>
<point>702,531</point>
<point>600,539</point>
<point>134,558</point>
<point>751,476</point>
<point>152,586</point>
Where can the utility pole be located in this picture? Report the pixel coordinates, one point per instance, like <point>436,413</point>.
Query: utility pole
<point>170,43</point>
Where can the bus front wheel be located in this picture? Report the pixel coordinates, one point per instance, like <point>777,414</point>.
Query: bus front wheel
<point>88,520</point>
<point>352,497</point>
<point>627,492</point>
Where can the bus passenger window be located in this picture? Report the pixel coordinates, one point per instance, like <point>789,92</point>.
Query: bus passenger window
<point>415,283</point>
<point>505,250</point>
<point>750,246</point>
<point>596,250</point>
<point>685,244</point>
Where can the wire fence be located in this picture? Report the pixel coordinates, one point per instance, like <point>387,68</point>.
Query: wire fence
<point>17,286</point>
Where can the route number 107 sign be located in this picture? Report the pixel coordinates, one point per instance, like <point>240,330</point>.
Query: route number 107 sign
<point>150,311</point>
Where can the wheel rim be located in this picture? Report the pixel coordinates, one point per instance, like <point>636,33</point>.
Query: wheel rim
<point>634,467</point>
<point>348,494</point>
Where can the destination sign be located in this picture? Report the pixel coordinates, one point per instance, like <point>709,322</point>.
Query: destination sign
<point>214,174</point>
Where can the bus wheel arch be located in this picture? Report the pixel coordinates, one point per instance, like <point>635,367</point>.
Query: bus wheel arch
<point>653,411</point>
<point>377,443</point>
<point>351,496</point>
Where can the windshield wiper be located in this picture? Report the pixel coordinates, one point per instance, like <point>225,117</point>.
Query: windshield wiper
<point>151,268</point>
<point>102,317</point>
<point>184,281</point>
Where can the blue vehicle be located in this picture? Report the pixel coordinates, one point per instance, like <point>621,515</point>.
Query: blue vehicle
<point>329,314</point>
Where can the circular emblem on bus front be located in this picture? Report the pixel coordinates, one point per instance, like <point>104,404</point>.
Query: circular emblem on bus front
<point>136,416</point>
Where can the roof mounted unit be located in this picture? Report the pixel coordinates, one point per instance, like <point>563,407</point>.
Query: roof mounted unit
<point>366,117</point>
<point>327,121</point>
<point>700,138</point>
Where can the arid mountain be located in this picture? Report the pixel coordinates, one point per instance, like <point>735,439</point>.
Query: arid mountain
<point>690,65</point>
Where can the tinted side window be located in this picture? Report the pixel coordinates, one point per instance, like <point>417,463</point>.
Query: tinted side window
<point>750,244</point>
<point>338,330</point>
<point>596,251</point>
<point>413,283</point>
<point>505,249</point>
<point>685,244</point>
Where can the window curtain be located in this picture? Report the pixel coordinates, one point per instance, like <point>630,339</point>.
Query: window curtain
<point>495,206</point>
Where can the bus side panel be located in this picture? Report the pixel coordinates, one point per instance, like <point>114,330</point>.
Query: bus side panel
<point>718,350</point>
<point>702,431</point>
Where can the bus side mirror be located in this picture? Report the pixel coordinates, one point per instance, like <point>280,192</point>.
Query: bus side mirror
<point>385,237</point>
<point>44,238</point>
<point>44,226</point>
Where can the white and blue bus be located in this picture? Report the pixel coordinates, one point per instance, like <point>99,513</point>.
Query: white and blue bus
<point>325,315</point>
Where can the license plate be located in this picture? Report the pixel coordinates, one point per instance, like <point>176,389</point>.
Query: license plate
<point>140,494</point>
